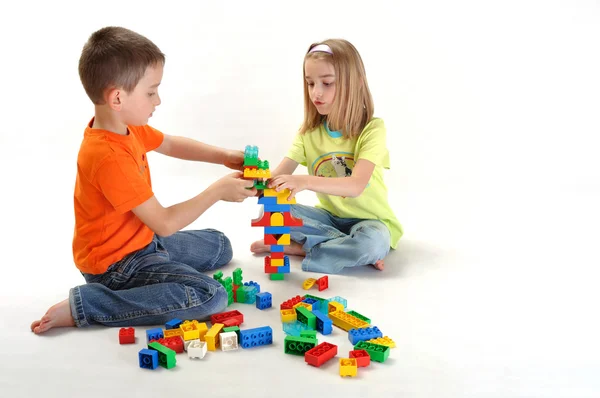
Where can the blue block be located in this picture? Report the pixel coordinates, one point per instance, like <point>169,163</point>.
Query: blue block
<point>148,358</point>
<point>250,294</point>
<point>264,300</point>
<point>256,337</point>
<point>154,334</point>
<point>295,328</point>
<point>364,334</point>
<point>277,230</point>
<point>253,284</point>
<point>311,301</point>
<point>277,208</point>
<point>324,324</point>
<point>173,323</point>
<point>267,200</point>
<point>285,268</point>
<point>277,248</point>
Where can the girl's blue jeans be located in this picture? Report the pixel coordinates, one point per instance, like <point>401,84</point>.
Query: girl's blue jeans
<point>155,284</point>
<point>333,243</point>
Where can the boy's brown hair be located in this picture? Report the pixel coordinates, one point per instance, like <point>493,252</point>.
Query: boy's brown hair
<point>353,104</point>
<point>115,57</point>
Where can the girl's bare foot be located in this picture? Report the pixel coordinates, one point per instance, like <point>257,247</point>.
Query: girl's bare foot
<point>378,265</point>
<point>59,315</point>
<point>295,249</point>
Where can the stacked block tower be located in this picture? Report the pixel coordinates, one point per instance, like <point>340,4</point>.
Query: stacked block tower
<point>276,216</point>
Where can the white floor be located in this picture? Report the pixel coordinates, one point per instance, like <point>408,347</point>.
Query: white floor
<point>480,312</point>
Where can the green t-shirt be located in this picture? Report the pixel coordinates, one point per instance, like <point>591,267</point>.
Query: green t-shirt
<point>329,154</point>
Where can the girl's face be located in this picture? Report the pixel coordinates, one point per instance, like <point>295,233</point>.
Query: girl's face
<point>320,79</point>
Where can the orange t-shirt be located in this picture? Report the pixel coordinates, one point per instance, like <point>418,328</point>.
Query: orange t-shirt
<point>113,177</point>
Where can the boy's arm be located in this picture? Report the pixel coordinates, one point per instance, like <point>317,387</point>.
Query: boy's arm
<point>190,149</point>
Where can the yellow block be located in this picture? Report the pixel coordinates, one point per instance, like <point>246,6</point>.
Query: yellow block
<point>346,321</point>
<point>335,306</point>
<point>276,262</point>
<point>288,315</point>
<point>190,330</point>
<point>310,282</point>
<point>173,332</point>
<point>303,304</point>
<point>348,367</point>
<point>284,239</point>
<point>277,220</point>
<point>212,336</point>
<point>386,341</point>
<point>257,173</point>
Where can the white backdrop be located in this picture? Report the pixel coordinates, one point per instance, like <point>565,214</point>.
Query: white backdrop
<point>491,110</point>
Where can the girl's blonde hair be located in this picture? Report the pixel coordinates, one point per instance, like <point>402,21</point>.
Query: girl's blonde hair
<point>353,105</point>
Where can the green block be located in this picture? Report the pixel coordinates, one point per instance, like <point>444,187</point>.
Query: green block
<point>235,329</point>
<point>237,277</point>
<point>263,164</point>
<point>309,334</point>
<point>359,316</point>
<point>229,298</point>
<point>377,352</point>
<point>306,317</point>
<point>218,276</point>
<point>298,345</point>
<point>241,295</point>
<point>166,356</point>
<point>276,277</point>
<point>261,184</point>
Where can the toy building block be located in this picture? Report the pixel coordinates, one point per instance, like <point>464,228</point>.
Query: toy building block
<point>289,304</point>
<point>298,345</point>
<point>173,332</point>
<point>148,358</point>
<point>309,334</point>
<point>218,276</point>
<point>334,306</point>
<point>277,230</point>
<point>257,173</point>
<point>228,341</point>
<point>276,277</point>
<point>166,356</point>
<point>290,221</point>
<point>359,316</point>
<point>175,343</point>
<point>251,155</point>
<point>377,352</point>
<point>277,249</point>
<point>212,336</point>
<point>264,220</point>
<point>385,340</point>
<point>173,324</point>
<point>320,354</point>
<point>348,367</point>
<point>192,329</point>
<point>231,322</point>
<point>126,336</point>
<point>264,300</point>
<point>256,337</point>
<point>154,334</point>
<point>219,318</point>
<point>304,305</point>
<point>197,349</point>
<point>276,262</point>
<point>277,209</point>
<point>253,284</point>
<point>282,196</point>
<point>237,276</point>
<point>340,300</point>
<point>315,298</point>
<point>288,315</point>
<point>323,283</point>
<point>308,283</point>
<point>277,255</point>
<point>362,358</point>
<point>235,329</point>
<point>345,321</point>
<point>307,317</point>
<point>249,294</point>
<point>294,328</point>
<point>187,343</point>
<point>324,324</point>
<point>364,334</point>
<point>314,304</point>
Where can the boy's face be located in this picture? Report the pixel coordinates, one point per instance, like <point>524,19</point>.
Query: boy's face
<point>320,79</point>
<point>138,105</point>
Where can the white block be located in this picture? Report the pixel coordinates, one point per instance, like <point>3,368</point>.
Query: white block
<point>229,341</point>
<point>197,349</point>
<point>186,343</point>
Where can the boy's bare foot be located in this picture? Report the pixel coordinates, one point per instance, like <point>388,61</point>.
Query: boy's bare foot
<point>59,315</point>
<point>379,265</point>
<point>295,249</point>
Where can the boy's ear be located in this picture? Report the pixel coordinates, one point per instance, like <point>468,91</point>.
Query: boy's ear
<point>113,98</point>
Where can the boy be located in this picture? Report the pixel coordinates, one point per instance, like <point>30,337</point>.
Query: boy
<point>139,269</point>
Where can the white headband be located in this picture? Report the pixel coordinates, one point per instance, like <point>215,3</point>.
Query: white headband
<point>322,48</point>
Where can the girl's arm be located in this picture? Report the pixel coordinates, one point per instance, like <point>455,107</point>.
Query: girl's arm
<point>351,186</point>
<point>287,166</point>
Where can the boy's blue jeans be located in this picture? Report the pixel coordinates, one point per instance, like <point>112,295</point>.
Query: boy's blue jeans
<point>157,283</point>
<point>332,243</point>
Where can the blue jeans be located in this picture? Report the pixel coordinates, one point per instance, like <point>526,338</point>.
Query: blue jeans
<point>333,243</point>
<point>157,283</point>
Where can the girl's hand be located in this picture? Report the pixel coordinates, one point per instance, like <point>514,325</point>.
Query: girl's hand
<point>294,183</point>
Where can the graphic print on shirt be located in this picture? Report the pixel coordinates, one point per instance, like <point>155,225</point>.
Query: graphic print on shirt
<point>334,164</point>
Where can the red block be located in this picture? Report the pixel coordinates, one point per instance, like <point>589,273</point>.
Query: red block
<point>278,255</point>
<point>323,282</point>
<point>290,221</point>
<point>362,358</point>
<point>270,240</point>
<point>262,221</point>
<point>289,304</point>
<point>223,316</point>
<point>231,322</point>
<point>175,343</point>
<point>320,354</point>
<point>126,336</point>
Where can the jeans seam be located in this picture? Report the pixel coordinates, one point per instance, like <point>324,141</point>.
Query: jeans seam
<point>77,310</point>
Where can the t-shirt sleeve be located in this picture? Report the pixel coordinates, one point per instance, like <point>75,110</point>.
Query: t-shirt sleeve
<point>297,152</point>
<point>123,183</point>
<point>371,144</point>
<point>150,137</point>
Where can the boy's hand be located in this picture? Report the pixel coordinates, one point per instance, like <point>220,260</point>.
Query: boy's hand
<point>294,183</point>
<point>233,188</point>
<point>234,160</point>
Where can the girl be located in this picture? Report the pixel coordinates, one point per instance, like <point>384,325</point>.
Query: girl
<point>340,140</point>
